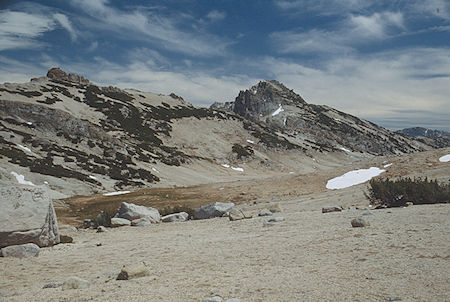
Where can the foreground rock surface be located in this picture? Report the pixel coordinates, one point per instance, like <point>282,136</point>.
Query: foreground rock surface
<point>27,216</point>
<point>20,251</point>
<point>131,212</point>
<point>217,209</point>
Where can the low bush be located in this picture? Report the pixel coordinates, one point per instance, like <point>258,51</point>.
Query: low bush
<point>104,218</point>
<point>396,193</point>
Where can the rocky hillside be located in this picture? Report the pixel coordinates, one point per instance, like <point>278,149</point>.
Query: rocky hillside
<point>272,104</point>
<point>437,138</point>
<point>75,137</point>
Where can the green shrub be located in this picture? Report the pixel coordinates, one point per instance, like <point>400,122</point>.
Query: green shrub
<point>396,193</point>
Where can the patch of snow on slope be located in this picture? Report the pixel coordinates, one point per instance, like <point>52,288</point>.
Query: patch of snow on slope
<point>388,165</point>
<point>92,177</point>
<point>154,169</point>
<point>116,193</point>
<point>278,111</point>
<point>29,123</point>
<point>21,179</point>
<point>445,158</point>
<point>250,141</point>
<point>225,165</point>
<point>346,150</point>
<point>25,148</point>
<point>354,177</point>
<point>237,169</point>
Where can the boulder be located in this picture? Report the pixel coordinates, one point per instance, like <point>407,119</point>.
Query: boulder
<point>118,222</point>
<point>21,251</point>
<point>101,229</point>
<point>66,239</point>
<point>182,216</point>
<point>213,210</point>
<point>131,212</point>
<point>330,209</point>
<point>75,283</point>
<point>359,223</point>
<point>141,222</point>
<point>27,216</point>
<point>238,214</point>
<point>133,271</point>
<point>265,212</point>
<point>275,208</point>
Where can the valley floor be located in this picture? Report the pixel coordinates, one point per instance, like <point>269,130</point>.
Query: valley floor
<point>310,256</point>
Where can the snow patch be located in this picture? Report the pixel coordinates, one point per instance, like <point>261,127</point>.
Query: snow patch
<point>92,177</point>
<point>354,177</point>
<point>250,141</point>
<point>278,111</point>
<point>445,158</point>
<point>154,169</point>
<point>29,123</point>
<point>25,148</point>
<point>21,179</point>
<point>388,165</point>
<point>226,165</point>
<point>346,150</point>
<point>116,193</point>
<point>237,169</point>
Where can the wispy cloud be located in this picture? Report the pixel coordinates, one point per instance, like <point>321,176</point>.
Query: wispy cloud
<point>349,33</point>
<point>164,31</point>
<point>215,16</point>
<point>66,24</point>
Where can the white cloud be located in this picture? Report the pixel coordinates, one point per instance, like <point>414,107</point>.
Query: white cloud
<point>144,25</point>
<point>322,7</point>
<point>353,31</point>
<point>19,29</point>
<point>215,16</point>
<point>66,24</point>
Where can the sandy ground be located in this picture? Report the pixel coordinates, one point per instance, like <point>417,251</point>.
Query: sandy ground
<point>310,256</point>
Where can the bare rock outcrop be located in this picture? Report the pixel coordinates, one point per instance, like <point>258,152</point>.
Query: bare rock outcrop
<point>27,216</point>
<point>61,75</point>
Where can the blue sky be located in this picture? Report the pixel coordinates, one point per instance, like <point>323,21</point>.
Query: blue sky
<point>386,61</point>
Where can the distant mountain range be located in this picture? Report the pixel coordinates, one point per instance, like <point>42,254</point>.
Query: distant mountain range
<point>420,131</point>
<point>75,137</point>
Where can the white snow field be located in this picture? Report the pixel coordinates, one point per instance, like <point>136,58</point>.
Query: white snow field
<point>352,178</point>
<point>116,193</point>
<point>445,158</point>
<point>278,111</point>
<point>21,179</point>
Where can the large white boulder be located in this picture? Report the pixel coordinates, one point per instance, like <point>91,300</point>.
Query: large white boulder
<point>20,251</point>
<point>132,212</point>
<point>182,216</point>
<point>27,216</point>
<point>213,210</point>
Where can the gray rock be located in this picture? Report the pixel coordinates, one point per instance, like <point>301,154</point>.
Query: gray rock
<point>359,223</point>
<point>21,251</point>
<point>66,239</point>
<point>89,223</point>
<point>330,209</point>
<point>393,298</point>
<point>141,222</point>
<point>131,212</point>
<point>101,229</point>
<point>276,219</point>
<point>52,285</point>
<point>27,216</point>
<point>133,271</point>
<point>238,214</point>
<point>182,216</point>
<point>75,283</point>
<point>367,213</point>
<point>213,299</point>
<point>213,210</point>
<point>118,222</point>
<point>275,208</point>
<point>265,212</point>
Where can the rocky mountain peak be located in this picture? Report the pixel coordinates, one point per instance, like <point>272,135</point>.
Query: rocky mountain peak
<point>60,75</point>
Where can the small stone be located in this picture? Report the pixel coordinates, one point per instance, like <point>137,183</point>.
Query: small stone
<point>393,298</point>
<point>213,299</point>
<point>75,283</point>
<point>275,208</point>
<point>408,204</point>
<point>88,223</point>
<point>118,222</point>
<point>141,222</point>
<point>52,285</point>
<point>265,212</point>
<point>21,251</point>
<point>133,271</point>
<point>65,239</point>
<point>359,223</point>
<point>330,209</point>
<point>101,229</point>
<point>367,213</point>
<point>276,219</point>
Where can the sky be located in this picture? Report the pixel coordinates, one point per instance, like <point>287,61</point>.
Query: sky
<point>385,61</point>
